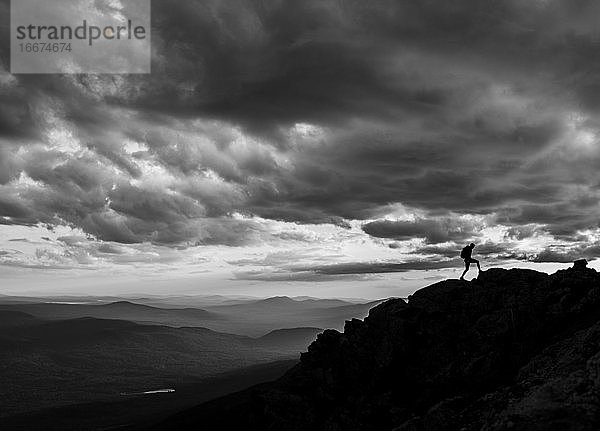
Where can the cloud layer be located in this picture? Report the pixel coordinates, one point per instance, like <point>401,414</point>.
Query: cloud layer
<point>468,115</point>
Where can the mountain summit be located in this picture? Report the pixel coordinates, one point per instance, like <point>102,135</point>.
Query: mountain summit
<point>513,350</point>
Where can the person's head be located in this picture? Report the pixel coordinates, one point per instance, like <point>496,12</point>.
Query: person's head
<point>472,245</point>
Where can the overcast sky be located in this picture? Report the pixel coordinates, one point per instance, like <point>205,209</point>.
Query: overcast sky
<point>336,148</point>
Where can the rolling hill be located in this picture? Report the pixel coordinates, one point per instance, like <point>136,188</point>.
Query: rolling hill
<point>57,362</point>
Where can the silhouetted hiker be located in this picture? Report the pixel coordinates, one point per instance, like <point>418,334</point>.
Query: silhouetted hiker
<point>466,255</point>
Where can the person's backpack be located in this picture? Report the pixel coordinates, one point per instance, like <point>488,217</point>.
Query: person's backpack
<point>465,252</point>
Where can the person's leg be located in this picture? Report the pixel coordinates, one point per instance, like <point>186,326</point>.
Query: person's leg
<point>467,264</point>
<point>477,262</point>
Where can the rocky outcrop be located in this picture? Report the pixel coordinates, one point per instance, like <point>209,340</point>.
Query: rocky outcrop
<point>513,350</point>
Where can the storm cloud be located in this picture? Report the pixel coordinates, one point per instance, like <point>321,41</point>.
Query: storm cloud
<point>433,230</point>
<point>320,112</point>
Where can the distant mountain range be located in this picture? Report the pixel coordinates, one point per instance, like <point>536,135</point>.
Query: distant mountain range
<point>122,310</point>
<point>261,316</point>
<point>249,317</point>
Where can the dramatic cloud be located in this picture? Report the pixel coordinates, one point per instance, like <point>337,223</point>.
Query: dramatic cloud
<point>374,268</point>
<point>343,271</point>
<point>472,115</point>
<point>568,254</point>
<point>433,230</point>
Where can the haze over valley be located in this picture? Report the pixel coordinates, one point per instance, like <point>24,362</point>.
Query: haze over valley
<point>84,352</point>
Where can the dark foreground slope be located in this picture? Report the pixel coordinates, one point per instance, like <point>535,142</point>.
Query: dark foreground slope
<point>134,412</point>
<point>47,364</point>
<point>513,350</point>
